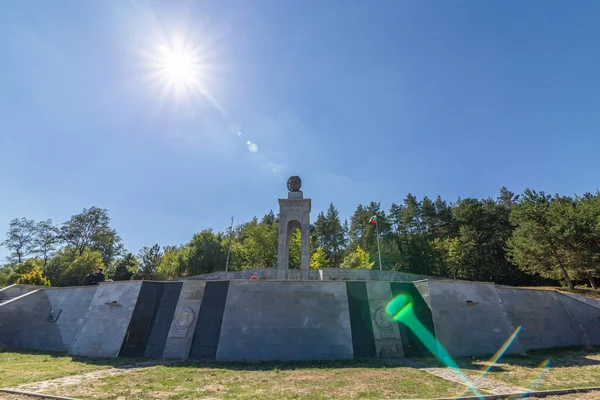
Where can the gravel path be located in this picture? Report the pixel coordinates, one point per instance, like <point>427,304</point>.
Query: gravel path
<point>45,386</point>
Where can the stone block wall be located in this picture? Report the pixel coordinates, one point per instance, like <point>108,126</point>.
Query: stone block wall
<point>24,323</point>
<point>545,321</point>
<point>107,320</point>
<point>183,325</point>
<point>586,320</point>
<point>12,291</point>
<point>70,305</point>
<point>244,320</point>
<point>285,320</point>
<point>470,319</point>
<point>386,333</point>
<point>325,274</point>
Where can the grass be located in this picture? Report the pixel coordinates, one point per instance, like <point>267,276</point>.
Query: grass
<point>568,369</point>
<point>28,366</point>
<point>356,379</point>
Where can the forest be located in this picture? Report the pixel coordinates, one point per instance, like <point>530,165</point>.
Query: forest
<point>527,239</point>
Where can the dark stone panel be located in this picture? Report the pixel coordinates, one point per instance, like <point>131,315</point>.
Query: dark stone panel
<point>210,318</point>
<point>363,341</point>
<point>412,345</point>
<point>163,316</point>
<point>138,332</point>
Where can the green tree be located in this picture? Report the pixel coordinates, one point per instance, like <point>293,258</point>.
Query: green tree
<point>260,245</point>
<point>169,267</point>
<point>319,259</point>
<point>295,248</point>
<point>538,242</point>
<point>149,260</point>
<point>47,237</point>
<point>20,239</point>
<point>33,278</point>
<point>205,253</point>
<point>90,230</point>
<point>5,272</point>
<point>357,259</point>
<point>80,266</point>
<point>26,267</point>
<point>125,268</point>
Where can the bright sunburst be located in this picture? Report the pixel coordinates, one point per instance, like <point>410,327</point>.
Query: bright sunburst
<point>179,65</point>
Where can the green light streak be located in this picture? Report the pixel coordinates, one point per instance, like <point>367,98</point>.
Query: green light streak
<point>401,308</point>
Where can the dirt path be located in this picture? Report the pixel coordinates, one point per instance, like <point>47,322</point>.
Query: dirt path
<point>51,384</point>
<point>487,385</point>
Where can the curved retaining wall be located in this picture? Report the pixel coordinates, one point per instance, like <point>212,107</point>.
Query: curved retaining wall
<point>324,274</point>
<point>243,320</point>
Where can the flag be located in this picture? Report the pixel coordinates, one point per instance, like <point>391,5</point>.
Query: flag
<point>373,219</point>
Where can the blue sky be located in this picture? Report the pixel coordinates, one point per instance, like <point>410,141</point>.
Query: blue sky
<point>366,101</point>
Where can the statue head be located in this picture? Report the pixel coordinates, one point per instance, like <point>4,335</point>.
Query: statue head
<point>294,184</point>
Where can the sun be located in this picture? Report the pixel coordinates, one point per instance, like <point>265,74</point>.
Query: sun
<point>178,66</point>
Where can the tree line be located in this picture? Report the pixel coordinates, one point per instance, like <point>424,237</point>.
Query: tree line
<point>527,239</point>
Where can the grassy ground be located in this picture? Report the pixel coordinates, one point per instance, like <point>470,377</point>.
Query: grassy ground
<point>367,379</point>
<point>568,369</point>
<point>356,379</point>
<point>23,367</point>
<point>327,380</point>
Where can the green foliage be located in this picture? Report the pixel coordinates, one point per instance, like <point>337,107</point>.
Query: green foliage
<point>125,268</point>
<point>319,259</point>
<point>19,270</point>
<point>34,277</point>
<point>149,260</point>
<point>557,237</point>
<point>170,264</point>
<point>20,239</point>
<point>514,240</point>
<point>330,235</point>
<point>5,272</point>
<point>47,237</point>
<point>67,268</point>
<point>204,253</point>
<point>358,258</point>
<point>90,230</point>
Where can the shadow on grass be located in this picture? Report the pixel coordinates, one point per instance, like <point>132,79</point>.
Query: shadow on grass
<point>559,358</point>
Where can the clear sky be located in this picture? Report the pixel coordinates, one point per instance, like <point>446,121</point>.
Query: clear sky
<point>365,100</point>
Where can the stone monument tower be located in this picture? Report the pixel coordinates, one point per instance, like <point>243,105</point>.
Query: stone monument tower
<point>294,213</point>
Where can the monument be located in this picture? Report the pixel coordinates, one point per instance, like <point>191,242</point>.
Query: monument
<point>339,314</point>
<point>294,213</point>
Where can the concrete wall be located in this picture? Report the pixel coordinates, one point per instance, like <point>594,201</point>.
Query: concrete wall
<point>71,305</point>
<point>183,325</point>
<point>105,323</point>
<point>546,323</point>
<point>12,291</point>
<point>285,320</point>
<point>470,319</point>
<point>583,299</point>
<point>24,323</point>
<point>386,332</point>
<point>585,317</point>
<point>325,274</point>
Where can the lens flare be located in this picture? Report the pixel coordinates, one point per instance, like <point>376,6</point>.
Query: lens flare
<point>534,379</point>
<point>253,147</point>
<point>401,309</point>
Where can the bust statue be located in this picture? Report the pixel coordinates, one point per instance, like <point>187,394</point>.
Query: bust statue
<point>294,184</point>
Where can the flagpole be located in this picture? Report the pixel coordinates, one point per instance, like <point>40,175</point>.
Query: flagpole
<point>378,248</point>
<point>229,244</point>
